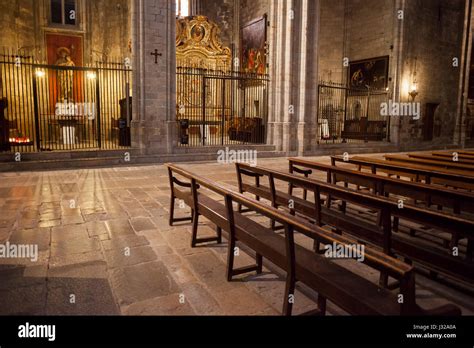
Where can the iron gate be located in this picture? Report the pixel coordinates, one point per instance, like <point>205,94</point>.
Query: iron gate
<point>351,115</point>
<point>50,107</point>
<point>221,108</point>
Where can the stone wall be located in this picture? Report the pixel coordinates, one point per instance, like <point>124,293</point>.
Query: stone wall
<point>433,34</point>
<point>331,40</point>
<point>109,28</point>
<point>222,13</point>
<point>353,29</point>
<point>105,25</point>
<point>253,9</point>
<point>231,15</point>
<point>431,37</point>
<point>17,22</point>
<point>369,28</point>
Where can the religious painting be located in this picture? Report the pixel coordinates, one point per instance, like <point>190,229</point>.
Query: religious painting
<point>369,72</point>
<point>198,45</point>
<point>197,33</point>
<point>253,46</point>
<point>65,51</point>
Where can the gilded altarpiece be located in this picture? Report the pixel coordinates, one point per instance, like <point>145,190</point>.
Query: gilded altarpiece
<point>202,64</point>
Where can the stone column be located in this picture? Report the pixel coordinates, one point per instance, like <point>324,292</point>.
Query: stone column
<point>154,84</point>
<point>307,87</point>
<point>293,73</point>
<point>465,63</point>
<point>397,68</point>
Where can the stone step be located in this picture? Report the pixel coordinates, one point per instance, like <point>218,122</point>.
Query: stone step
<point>112,161</point>
<point>84,154</point>
<point>214,149</point>
<point>65,155</point>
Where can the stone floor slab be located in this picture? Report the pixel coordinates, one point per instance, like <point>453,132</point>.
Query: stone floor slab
<point>129,256</point>
<point>82,249</point>
<point>80,296</point>
<point>166,305</point>
<point>141,282</point>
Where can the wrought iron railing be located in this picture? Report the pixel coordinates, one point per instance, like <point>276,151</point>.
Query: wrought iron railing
<point>351,115</point>
<point>51,107</point>
<point>220,108</point>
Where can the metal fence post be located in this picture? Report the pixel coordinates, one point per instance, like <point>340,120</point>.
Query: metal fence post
<point>36,111</point>
<point>97,101</point>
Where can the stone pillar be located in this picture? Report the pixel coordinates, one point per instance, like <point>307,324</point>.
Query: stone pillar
<point>307,82</point>
<point>293,72</point>
<point>465,64</point>
<point>154,84</point>
<point>397,68</point>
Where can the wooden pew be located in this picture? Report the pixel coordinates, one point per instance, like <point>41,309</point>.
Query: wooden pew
<point>333,282</point>
<point>415,172</point>
<point>430,195</point>
<point>379,233</point>
<point>431,163</point>
<point>427,195</point>
<point>450,155</point>
<point>443,159</point>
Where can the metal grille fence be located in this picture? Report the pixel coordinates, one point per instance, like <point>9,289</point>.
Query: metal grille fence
<point>52,108</point>
<point>350,115</point>
<point>221,108</point>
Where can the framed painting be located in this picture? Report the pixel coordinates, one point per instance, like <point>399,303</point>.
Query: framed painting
<point>369,72</point>
<point>66,52</point>
<point>253,46</point>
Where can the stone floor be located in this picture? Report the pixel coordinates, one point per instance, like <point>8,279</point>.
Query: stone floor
<point>105,248</point>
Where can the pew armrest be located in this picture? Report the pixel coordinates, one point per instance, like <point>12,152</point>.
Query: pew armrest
<point>302,171</point>
<point>183,184</point>
<point>247,173</point>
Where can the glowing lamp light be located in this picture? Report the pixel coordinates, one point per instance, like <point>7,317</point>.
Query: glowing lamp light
<point>20,140</point>
<point>40,73</point>
<point>414,91</point>
<point>91,75</point>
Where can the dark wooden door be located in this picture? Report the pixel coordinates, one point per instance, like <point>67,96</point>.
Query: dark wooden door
<point>428,121</point>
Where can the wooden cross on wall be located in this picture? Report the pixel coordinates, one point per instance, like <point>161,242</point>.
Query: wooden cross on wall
<point>156,54</point>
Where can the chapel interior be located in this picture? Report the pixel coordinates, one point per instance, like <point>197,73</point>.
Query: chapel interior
<point>208,157</point>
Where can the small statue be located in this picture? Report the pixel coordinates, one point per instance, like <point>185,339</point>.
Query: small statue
<point>65,77</point>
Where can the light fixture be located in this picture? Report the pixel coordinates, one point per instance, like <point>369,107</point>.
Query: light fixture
<point>40,73</point>
<point>91,75</point>
<point>414,90</point>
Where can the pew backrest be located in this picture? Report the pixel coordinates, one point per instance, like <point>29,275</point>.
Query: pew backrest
<point>418,173</point>
<point>379,232</point>
<point>458,201</point>
<point>429,162</point>
<point>443,159</point>
<point>443,221</point>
